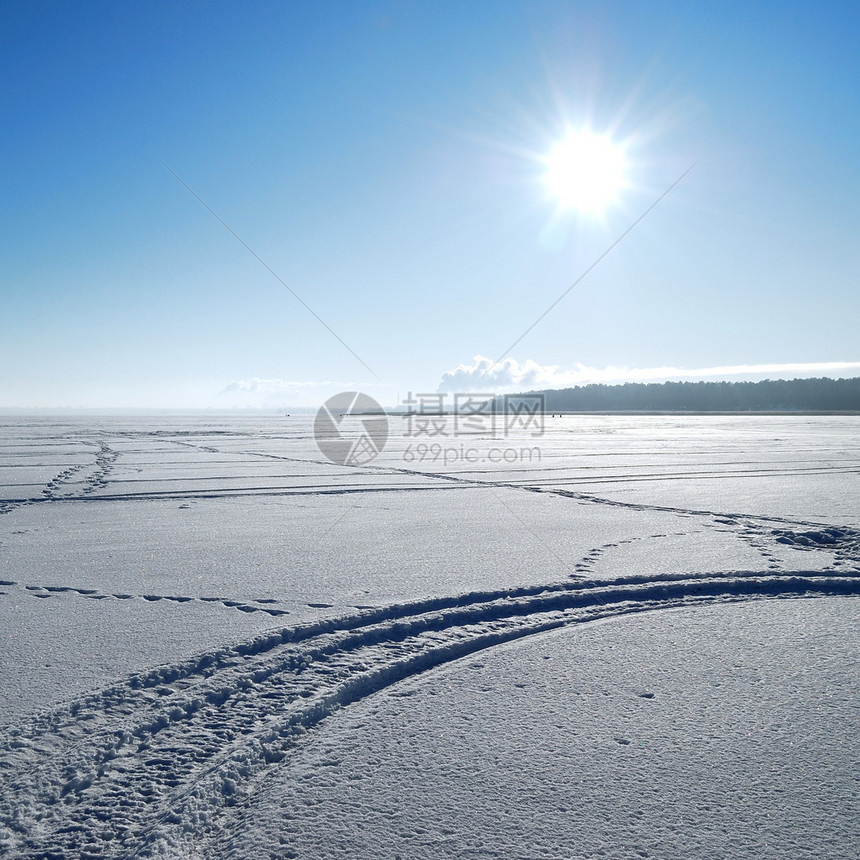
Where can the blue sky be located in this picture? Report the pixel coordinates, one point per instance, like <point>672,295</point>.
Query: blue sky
<point>385,160</point>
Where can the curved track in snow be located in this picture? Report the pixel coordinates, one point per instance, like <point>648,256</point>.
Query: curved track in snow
<point>152,766</point>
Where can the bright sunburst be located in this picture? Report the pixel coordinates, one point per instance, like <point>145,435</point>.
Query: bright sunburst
<point>585,171</point>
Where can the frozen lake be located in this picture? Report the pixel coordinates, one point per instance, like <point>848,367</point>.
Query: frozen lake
<point>216,642</point>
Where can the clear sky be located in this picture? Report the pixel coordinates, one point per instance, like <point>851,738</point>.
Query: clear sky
<point>388,161</point>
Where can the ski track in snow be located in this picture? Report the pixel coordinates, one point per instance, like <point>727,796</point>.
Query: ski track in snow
<point>152,767</point>
<point>148,768</point>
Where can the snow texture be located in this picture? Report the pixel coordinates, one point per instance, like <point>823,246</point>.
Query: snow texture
<point>214,639</point>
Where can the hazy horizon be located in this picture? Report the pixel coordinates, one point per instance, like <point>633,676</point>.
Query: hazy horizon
<point>268,404</point>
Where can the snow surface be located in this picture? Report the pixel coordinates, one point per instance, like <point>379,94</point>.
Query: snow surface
<point>196,613</point>
<point>729,732</point>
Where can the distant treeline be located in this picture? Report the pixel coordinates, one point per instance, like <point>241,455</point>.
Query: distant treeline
<point>771,395</point>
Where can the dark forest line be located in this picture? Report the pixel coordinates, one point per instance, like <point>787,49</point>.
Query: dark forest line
<point>770,395</point>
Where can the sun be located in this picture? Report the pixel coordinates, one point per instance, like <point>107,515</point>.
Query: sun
<point>585,171</point>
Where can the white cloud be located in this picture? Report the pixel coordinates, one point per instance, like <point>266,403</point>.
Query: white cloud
<point>486,376</point>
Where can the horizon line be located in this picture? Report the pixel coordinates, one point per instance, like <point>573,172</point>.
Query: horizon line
<point>6,410</point>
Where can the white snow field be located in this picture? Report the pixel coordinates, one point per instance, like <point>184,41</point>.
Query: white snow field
<point>631,636</point>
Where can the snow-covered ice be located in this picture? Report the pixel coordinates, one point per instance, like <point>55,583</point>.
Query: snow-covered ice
<point>729,732</point>
<point>218,643</point>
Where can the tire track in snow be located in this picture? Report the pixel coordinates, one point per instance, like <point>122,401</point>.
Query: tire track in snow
<point>149,767</point>
<point>435,481</point>
<point>761,532</point>
<point>848,534</point>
